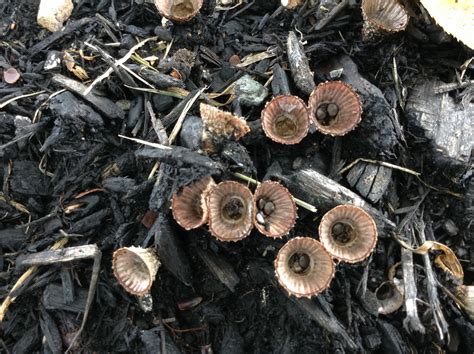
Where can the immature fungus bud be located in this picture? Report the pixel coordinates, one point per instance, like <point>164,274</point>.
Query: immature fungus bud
<point>178,10</point>
<point>276,210</point>
<point>219,127</point>
<point>231,211</point>
<point>348,233</point>
<point>135,268</point>
<point>303,267</point>
<point>189,205</point>
<point>285,119</point>
<point>382,17</point>
<point>334,108</point>
<point>11,76</point>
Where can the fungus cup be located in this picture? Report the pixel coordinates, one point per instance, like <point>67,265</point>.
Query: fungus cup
<point>334,108</point>
<point>382,17</point>
<point>348,233</point>
<point>276,211</point>
<point>285,119</point>
<point>189,205</point>
<point>303,267</point>
<point>135,268</point>
<point>231,211</point>
<point>178,10</point>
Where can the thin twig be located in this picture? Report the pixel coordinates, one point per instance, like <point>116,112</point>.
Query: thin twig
<point>299,202</point>
<point>117,62</point>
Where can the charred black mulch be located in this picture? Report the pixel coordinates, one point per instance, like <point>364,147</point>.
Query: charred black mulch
<point>67,174</point>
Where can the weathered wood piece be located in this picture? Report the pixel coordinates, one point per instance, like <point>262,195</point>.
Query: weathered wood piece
<point>370,180</point>
<point>321,191</point>
<point>448,126</point>
<point>53,299</point>
<point>299,65</point>
<point>178,156</point>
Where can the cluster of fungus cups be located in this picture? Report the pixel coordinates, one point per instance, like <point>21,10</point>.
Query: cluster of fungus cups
<point>333,107</point>
<point>304,267</point>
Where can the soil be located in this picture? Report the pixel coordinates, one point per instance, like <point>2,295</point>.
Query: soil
<point>67,172</point>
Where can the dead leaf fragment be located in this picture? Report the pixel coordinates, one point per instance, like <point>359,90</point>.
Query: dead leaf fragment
<point>71,65</point>
<point>456,17</point>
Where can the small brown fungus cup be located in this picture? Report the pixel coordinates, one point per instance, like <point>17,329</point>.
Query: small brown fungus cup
<point>178,10</point>
<point>303,267</point>
<point>276,211</point>
<point>285,119</point>
<point>135,268</point>
<point>189,205</point>
<point>334,108</point>
<point>382,17</point>
<point>348,233</point>
<point>231,211</point>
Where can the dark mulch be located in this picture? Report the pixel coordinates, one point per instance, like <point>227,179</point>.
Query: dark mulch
<point>66,171</point>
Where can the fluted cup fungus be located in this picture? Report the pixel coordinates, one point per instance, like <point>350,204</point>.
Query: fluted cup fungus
<point>219,127</point>
<point>135,268</point>
<point>178,10</point>
<point>231,211</point>
<point>334,108</point>
<point>285,119</point>
<point>276,211</point>
<point>303,267</point>
<point>382,17</point>
<point>189,204</point>
<point>348,233</point>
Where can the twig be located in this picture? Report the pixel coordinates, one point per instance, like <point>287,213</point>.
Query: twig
<point>432,291</point>
<point>118,62</point>
<point>381,163</point>
<point>13,99</point>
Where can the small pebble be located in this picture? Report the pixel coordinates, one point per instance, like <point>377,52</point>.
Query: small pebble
<point>260,218</point>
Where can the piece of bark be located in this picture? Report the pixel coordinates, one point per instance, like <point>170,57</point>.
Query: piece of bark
<point>178,156</point>
<point>377,134</point>
<point>328,321</point>
<point>220,268</point>
<point>448,126</point>
<point>321,191</point>
<point>50,331</point>
<point>300,70</point>
<point>370,180</point>
<point>392,342</point>
<point>172,255</point>
<point>53,299</point>
<point>70,108</point>
<point>103,104</point>
<point>159,80</point>
<point>280,85</point>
